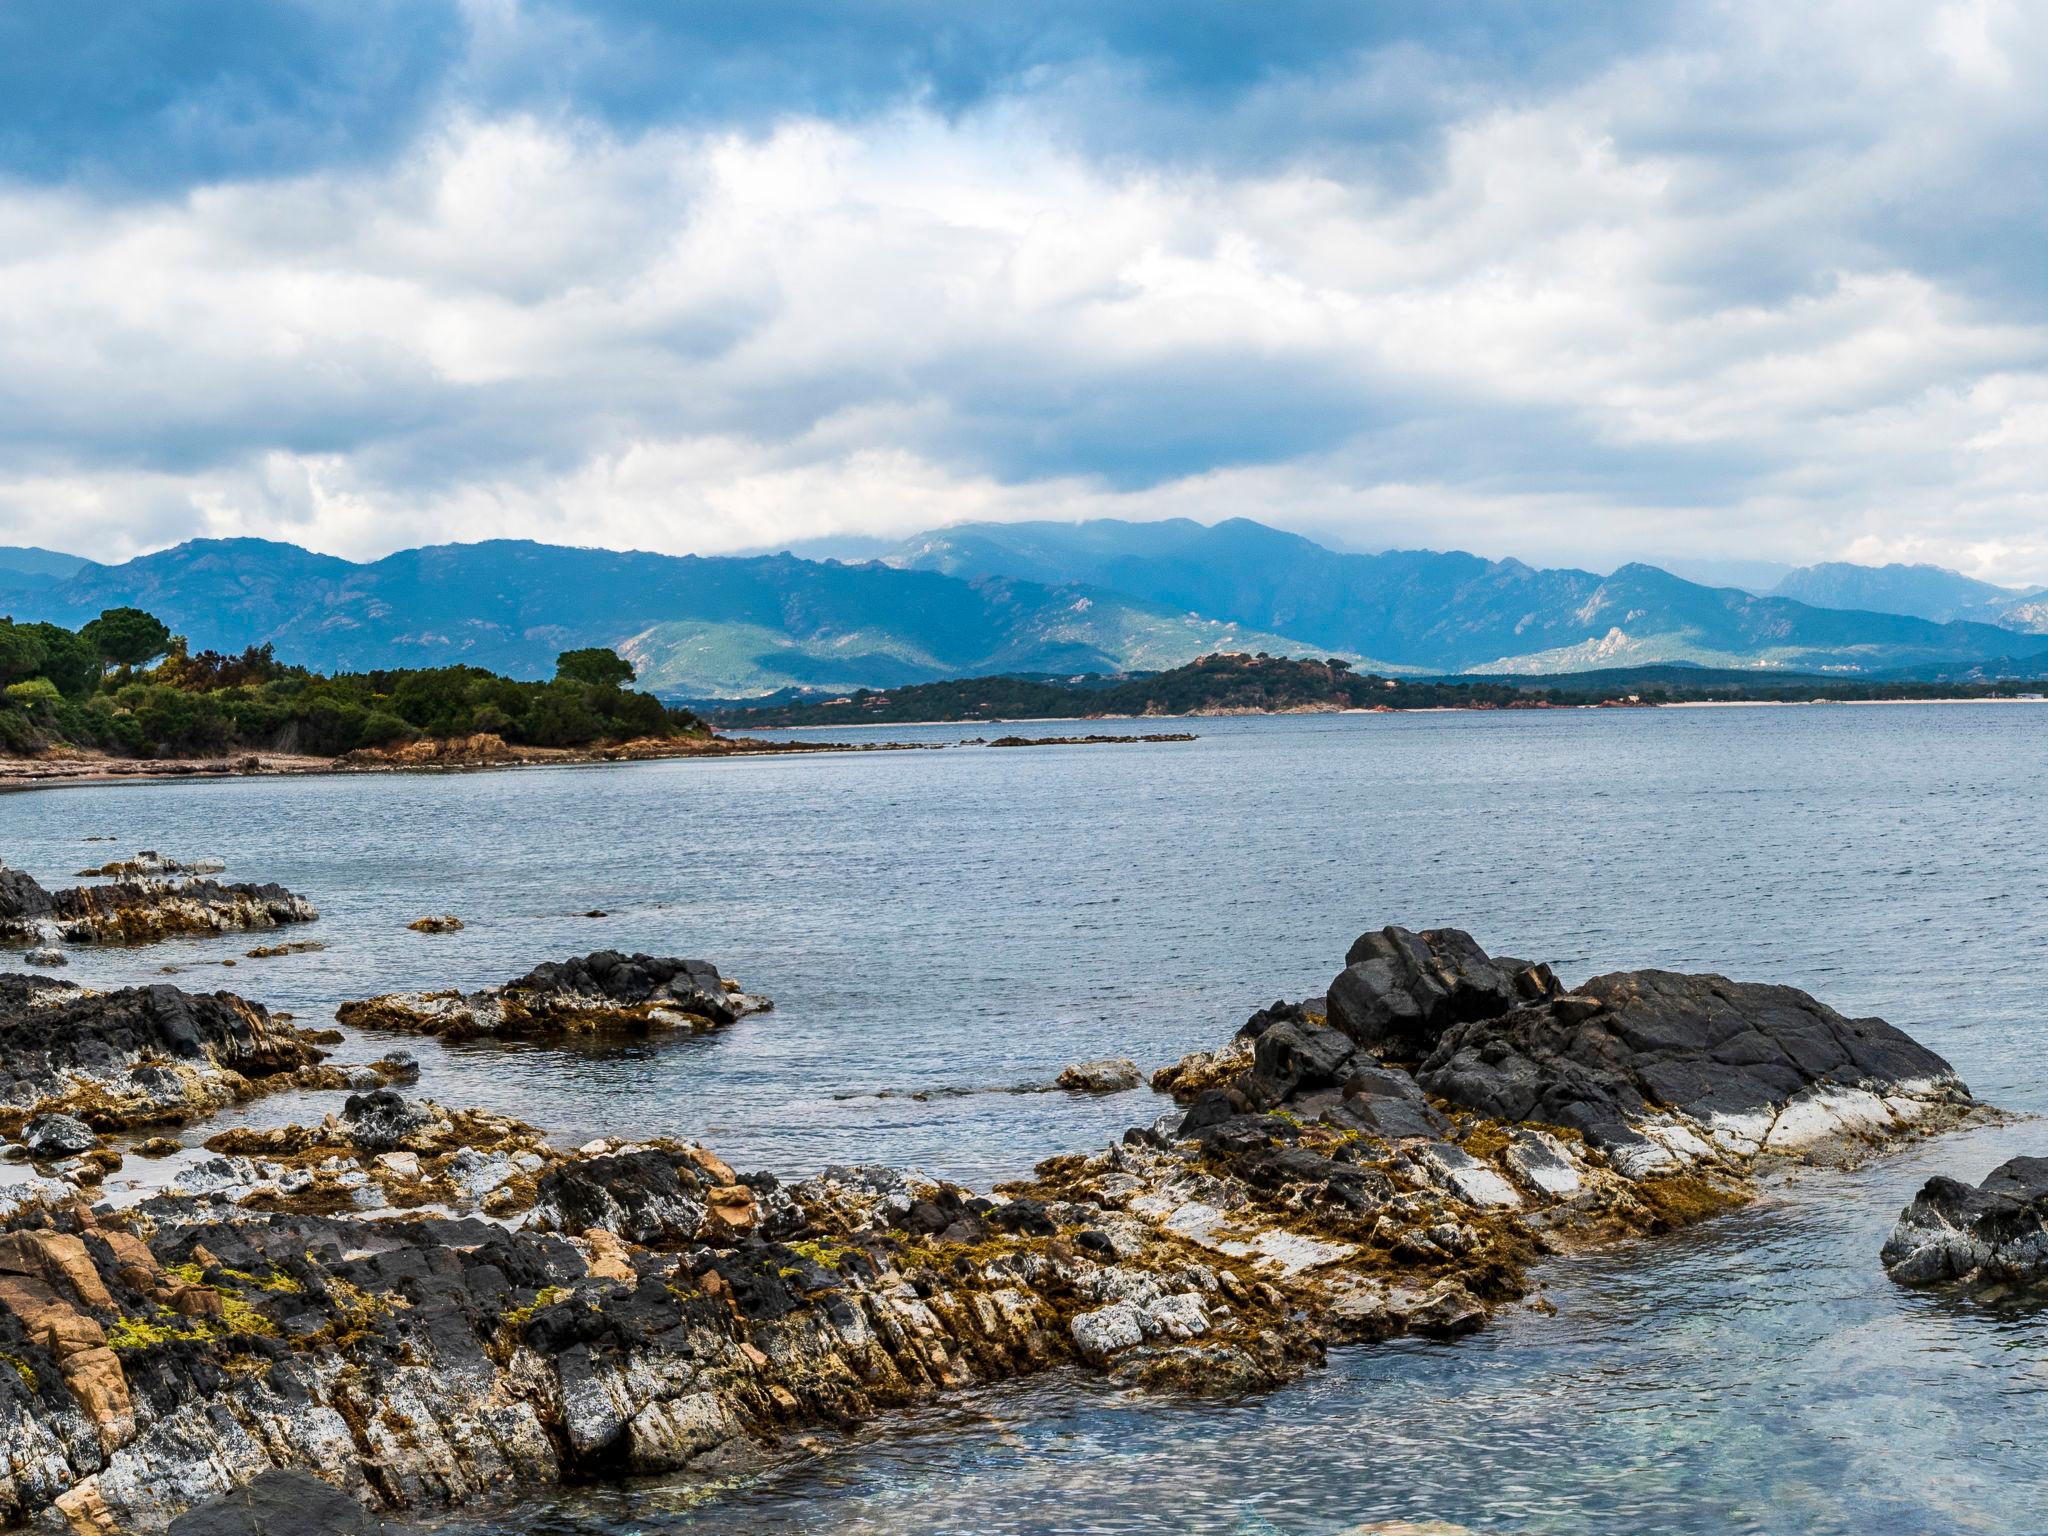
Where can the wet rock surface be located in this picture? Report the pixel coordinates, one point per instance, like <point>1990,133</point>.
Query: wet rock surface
<point>141,908</point>
<point>423,1307</point>
<point>1993,1235</point>
<point>601,993</point>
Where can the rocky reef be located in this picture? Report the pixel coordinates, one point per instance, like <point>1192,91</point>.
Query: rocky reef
<point>144,1056</point>
<point>601,993</point>
<point>1992,1236</point>
<point>422,1307</point>
<point>141,908</point>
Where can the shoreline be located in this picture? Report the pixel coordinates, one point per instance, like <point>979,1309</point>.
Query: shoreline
<point>1431,709</point>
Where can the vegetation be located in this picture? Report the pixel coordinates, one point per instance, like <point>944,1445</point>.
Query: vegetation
<point>125,684</point>
<point>1231,683</point>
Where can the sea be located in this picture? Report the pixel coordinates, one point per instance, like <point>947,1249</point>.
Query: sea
<point>943,930</point>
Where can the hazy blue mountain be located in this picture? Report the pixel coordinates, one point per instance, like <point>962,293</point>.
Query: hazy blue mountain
<point>695,627</point>
<point>1922,591</point>
<point>24,564</point>
<point>1445,611</point>
<point>977,599</point>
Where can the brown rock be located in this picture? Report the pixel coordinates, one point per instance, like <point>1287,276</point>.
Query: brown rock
<point>57,1259</point>
<point>96,1380</point>
<point>607,1256</point>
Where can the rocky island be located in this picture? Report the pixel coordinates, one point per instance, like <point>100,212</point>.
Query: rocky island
<point>606,993</point>
<point>151,899</point>
<point>423,1307</point>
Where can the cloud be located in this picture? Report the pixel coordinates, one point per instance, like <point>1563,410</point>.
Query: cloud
<point>1560,289</point>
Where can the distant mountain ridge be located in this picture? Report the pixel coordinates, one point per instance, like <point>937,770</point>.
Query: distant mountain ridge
<point>694,626</point>
<point>1921,591</point>
<point>979,599</point>
<point>1450,612</point>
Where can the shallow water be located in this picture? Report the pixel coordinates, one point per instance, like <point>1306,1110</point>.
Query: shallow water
<point>976,918</point>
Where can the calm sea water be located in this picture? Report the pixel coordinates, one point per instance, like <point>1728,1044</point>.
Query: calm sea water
<point>937,922</point>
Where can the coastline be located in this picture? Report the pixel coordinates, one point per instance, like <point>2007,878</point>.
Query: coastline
<point>1431,709</point>
<point>21,774</point>
<point>57,771</point>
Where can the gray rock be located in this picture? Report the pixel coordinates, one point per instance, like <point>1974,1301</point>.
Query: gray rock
<point>1622,1045</point>
<point>383,1120</point>
<point>284,1503</point>
<point>1112,1074</point>
<point>1996,1233</point>
<point>1399,990</point>
<point>47,955</point>
<point>49,1137</point>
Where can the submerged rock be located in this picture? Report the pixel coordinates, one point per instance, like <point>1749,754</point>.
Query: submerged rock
<point>285,1503</point>
<point>605,992</point>
<point>446,922</point>
<point>1994,1234</point>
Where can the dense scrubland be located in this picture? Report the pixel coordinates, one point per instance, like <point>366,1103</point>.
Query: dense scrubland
<point>125,684</point>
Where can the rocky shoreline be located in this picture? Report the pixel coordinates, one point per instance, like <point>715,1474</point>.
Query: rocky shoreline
<point>423,1307</point>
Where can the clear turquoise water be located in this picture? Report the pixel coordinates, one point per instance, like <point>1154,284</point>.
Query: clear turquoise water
<point>937,921</point>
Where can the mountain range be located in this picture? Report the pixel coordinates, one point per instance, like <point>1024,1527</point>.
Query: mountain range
<point>1050,598</point>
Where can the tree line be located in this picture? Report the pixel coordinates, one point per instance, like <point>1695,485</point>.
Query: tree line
<point>124,683</point>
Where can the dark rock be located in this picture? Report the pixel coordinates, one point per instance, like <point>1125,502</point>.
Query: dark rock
<point>135,1055</point>
<point>1293,1054</point>
<point>382,1121</point>
<point>1996,1233</point>
<point>284,1503</point>
<point>694,984</point>
<point>22,900</point>
<point>49,1137</point>
<point>1386,1103</point>
<point>1213,1107</point>
<point>1398,990</point>
<point>645,1197</point>
<point>1626,1043</point>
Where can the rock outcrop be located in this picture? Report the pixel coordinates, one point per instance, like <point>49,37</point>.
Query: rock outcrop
<point>1995,1235</point>
<point>601,993</point>
<point>139,910</point>
<point>1111,1074</point>
<point>641,1308</point>
<point>137,1056</point>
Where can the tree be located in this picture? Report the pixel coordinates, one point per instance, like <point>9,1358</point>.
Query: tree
<point>596,665</point>
<point>67,660</point>
<point>22,653</point>
<point>126,637</point>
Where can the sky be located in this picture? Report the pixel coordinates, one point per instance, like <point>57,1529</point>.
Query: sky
<point>1577,282</point>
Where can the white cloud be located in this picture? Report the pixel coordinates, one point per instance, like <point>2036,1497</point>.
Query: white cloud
<point>1627,320</point>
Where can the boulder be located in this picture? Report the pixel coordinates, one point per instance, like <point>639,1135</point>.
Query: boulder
<point>22,901</point>
<point>1757,1067</point>
<point>1399,990</point>
<point>1111,1074</point>
<point>1994,1234</point>
<point>280,1502</point>
<point>646,1197</point>
<point>385,1120</point>
<point>51,1136</point>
